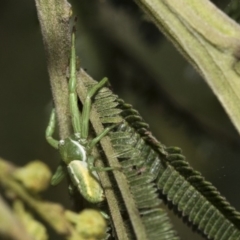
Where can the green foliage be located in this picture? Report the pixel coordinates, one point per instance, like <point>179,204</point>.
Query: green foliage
<point>153,170</point>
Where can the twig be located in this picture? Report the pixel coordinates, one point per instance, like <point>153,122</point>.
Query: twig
<point>209,39</point>
<point>54,18</point>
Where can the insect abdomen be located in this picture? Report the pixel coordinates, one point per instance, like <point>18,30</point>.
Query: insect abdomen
<point>87,183</point>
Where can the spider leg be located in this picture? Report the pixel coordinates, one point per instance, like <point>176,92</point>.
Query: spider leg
<point>87,107</point>
<point>58,176</point>
<point>50,130</point>
<point>91,167</point>
<point>100,136</point>
<point>73,98</point>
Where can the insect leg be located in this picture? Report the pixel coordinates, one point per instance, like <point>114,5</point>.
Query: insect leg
<point>73,98</point>
<point>87,107</point>
<point>50,130</point>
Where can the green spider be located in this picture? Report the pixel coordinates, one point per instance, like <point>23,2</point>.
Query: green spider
<point>76,149</point>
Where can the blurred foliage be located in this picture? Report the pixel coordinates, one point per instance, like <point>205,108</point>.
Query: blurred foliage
<point>115,39</point>
<point>20,223</point>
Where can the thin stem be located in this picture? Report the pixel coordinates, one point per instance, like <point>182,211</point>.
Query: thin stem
<point>138,228</point>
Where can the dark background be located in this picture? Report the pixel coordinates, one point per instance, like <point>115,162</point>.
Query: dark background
<point>114,39</point>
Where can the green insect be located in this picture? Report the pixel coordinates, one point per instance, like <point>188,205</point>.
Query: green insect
<point>76,149</point>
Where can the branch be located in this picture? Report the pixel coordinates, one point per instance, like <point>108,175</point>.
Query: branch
<point>208,39</point>
<point>54,18</point>
<point>84,80</point>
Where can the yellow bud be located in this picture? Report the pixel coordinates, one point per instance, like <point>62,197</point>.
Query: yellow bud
<point>89,223</point>
<point>35,176</point>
